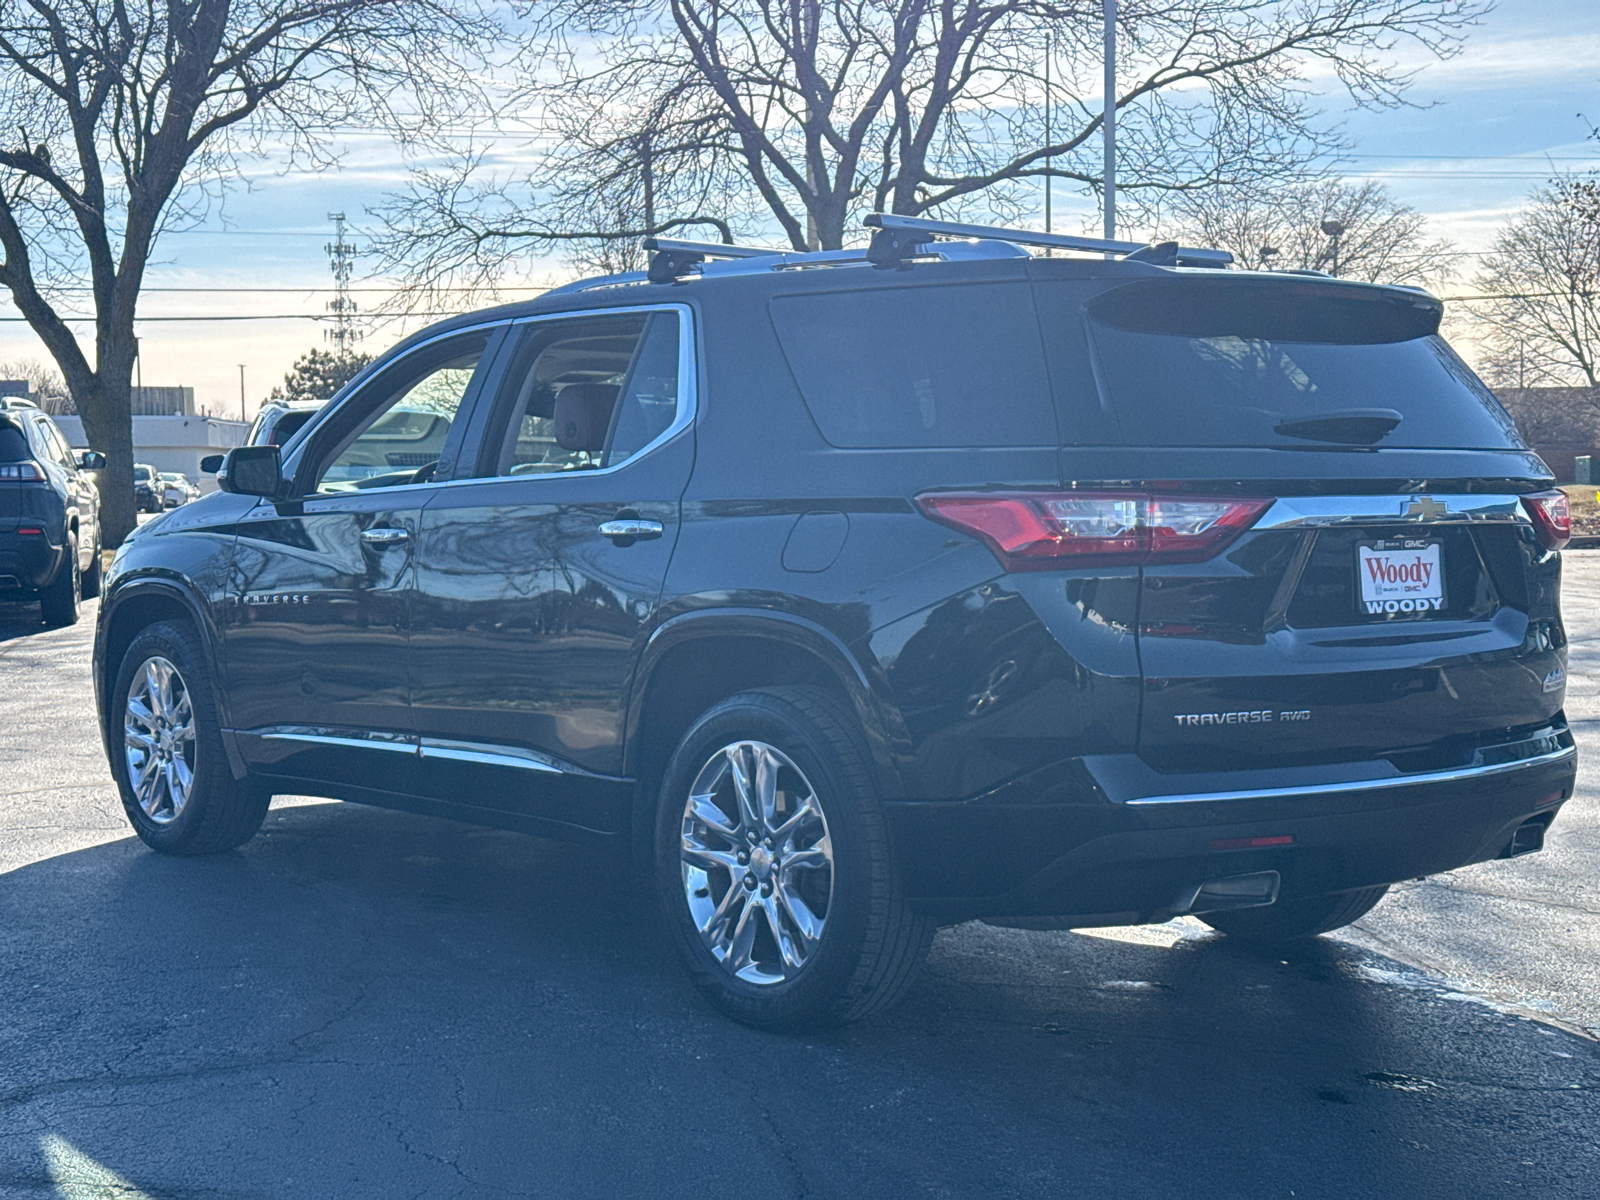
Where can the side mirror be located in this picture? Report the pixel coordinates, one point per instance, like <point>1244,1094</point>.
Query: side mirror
<point>91,460</point>
<point>252,471</point>
<point>211,464</point>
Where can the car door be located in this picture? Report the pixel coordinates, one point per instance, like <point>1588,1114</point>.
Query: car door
<point>320,591</point>
<point>540,566</point>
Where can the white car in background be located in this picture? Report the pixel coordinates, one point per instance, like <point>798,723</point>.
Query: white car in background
<point>176,489</point>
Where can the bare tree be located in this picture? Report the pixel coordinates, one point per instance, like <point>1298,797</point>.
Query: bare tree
<point>1379,239</point>
<point>46,384</point>
<point>123,118</point>
<point>805,115</point>
<point>1541,287</point>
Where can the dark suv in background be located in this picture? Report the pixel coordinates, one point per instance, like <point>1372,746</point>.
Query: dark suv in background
<point>49,514</point>
<point>856,593</point>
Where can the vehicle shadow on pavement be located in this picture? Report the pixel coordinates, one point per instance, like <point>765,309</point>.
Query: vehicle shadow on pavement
<point>371,1003</point>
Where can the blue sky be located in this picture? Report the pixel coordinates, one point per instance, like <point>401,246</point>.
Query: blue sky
<point>1498,117</point>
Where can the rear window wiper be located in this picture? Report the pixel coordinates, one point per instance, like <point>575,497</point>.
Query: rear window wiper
<point>1353,426</point>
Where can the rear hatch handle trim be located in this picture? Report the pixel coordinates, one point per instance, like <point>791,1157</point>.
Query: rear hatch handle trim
<point>1421,778</point>
<point>1306,512</point>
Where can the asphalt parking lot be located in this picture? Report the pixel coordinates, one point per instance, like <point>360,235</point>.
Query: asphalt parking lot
<point>363,1003</point>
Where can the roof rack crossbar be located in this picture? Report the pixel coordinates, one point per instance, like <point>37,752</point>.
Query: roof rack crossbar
<point>1027,237</point>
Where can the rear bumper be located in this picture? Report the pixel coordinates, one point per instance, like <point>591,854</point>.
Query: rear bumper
<point>28,561</point>
<point>1093,841</point>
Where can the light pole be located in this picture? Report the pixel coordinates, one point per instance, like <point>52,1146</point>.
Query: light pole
<point>1110,116</point>
<point>1334,229</point>
<point>242,417</point>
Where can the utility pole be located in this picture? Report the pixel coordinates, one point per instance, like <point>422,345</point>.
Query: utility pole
<point>1048,37</point>
<point>1110,117</point>
<point>647,169</point>
<point>341,260</point>
<point>242,417</point>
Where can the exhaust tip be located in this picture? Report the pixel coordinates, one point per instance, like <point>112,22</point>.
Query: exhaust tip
<point>1528,838</point>
<point>1230,891</point>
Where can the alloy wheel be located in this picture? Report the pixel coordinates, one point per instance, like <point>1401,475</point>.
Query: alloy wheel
<point>757,862</point>
<point>158,736</point>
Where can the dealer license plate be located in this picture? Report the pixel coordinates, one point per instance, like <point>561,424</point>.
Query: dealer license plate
<point>1401,576</point>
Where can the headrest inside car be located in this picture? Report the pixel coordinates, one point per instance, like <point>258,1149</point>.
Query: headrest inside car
<point>583,415</point>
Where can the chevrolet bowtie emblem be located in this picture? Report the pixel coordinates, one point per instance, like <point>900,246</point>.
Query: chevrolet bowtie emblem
<point>1424,508</point>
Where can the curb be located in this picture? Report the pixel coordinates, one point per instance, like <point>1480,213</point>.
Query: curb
<point>1587,542</point>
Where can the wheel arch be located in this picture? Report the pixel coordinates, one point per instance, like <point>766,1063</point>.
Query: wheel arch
<point>694,660</point>
<point>136,605</point>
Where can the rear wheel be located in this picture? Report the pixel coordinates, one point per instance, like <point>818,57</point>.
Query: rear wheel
<point>166,750</point>
<point>58,601</point>
<point>1289,920</point>
<point>774,869</point>
<point>89,586</point>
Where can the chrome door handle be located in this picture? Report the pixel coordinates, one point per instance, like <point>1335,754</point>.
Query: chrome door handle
<point>384,537</point>
<point>632,528</point>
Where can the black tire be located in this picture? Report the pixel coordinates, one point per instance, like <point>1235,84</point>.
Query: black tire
<point>870,943</point>
<point>219,811</point>
<point>89,585</point>
<point>58,600</point>
<point>1291,920</point>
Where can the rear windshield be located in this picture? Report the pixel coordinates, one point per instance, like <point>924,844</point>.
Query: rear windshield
<point>920,366</point>
<point>13,445</point>
<point>1219,363</point>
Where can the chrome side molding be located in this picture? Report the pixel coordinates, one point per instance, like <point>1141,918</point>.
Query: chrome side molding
<point>487,753</point>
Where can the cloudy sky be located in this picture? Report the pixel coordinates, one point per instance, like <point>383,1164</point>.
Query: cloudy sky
<point>1497,120</point>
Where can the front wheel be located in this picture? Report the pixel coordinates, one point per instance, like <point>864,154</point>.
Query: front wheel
<point>166,749</point>
<point>58,601</point>
<point>1290,920</point>
<point>774,867</point>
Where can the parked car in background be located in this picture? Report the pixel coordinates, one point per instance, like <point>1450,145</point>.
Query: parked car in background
<point>49,514</point>
<point>147,490</point>
<point>858,593</point>
<point>176,489</point>
<point>280,420</point>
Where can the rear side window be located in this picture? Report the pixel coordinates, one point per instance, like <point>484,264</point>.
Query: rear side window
<point>583,394</point>
<point>920,366</point>
<point>13,445</point>
<point>1216,363</point>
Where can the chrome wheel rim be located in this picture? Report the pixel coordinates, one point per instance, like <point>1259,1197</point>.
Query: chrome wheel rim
<point>757,863</point>
<point>158,739</point>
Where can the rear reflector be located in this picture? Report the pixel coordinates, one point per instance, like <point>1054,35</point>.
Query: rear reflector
<point>1253,843</point>
<point>26,471</point>
<point>1552,517</point>
<point>31,531</point>
<point>1033,531</point>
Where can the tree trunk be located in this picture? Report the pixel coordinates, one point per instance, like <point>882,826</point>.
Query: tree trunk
<point>106,406</point>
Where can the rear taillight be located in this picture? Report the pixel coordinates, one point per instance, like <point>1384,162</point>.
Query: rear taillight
<point>26,471</point>
<point>1552,517</point>
<point>1034,531</point>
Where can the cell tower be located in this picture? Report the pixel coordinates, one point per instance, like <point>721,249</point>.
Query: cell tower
<point>341,260</point>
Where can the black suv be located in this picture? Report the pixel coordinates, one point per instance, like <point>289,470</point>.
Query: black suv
<point>858,593</point>
<point>49,514</point>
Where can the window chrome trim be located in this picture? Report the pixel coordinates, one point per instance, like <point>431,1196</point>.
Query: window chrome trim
<point>1306,512</point>
<point>688,388</point>
<point>1421,779</point>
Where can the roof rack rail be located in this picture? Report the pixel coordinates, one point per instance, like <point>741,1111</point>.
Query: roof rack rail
<point>898,237</point>
<point>671,257</point>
